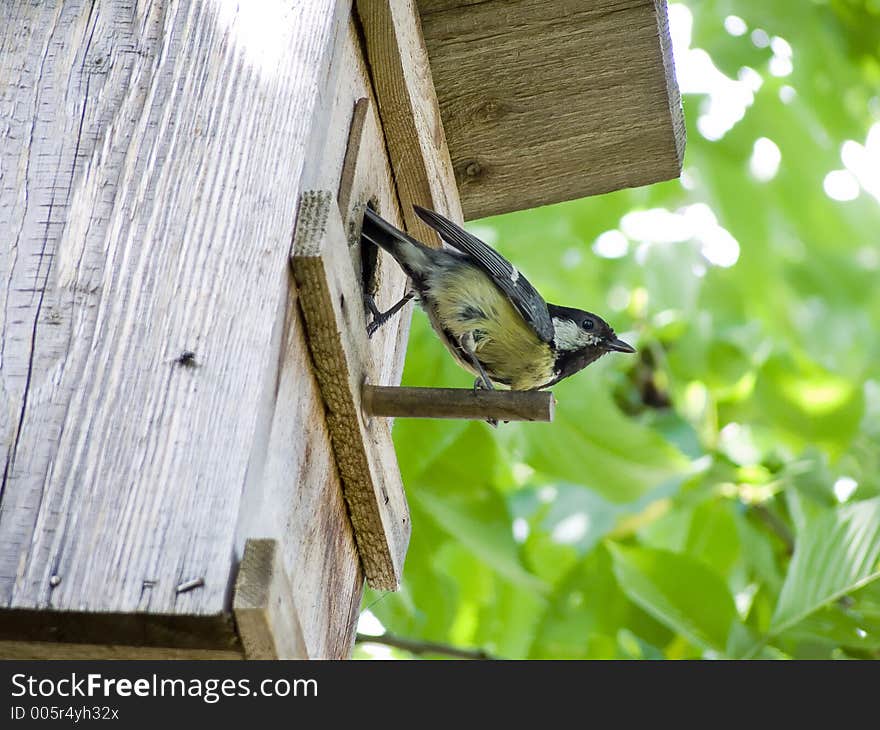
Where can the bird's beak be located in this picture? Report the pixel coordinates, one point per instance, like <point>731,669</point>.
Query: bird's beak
<point>618,345</point>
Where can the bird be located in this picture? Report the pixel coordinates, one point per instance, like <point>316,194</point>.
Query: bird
<point>484,310</point>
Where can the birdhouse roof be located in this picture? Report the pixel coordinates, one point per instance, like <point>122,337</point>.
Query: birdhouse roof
<point>548,100</point>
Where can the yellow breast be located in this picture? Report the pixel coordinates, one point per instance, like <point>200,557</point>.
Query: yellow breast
<point>466,301</point>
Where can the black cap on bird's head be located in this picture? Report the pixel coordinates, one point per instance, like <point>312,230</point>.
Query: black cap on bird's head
<point>577,330</point>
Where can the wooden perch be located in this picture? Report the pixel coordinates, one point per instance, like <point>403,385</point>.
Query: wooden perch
<point>465,403</point>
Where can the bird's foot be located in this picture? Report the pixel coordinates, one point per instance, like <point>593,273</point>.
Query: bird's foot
<point>374,324</point>
<point>483,383</point>
<point>480,384</point>
<point>380,318</point>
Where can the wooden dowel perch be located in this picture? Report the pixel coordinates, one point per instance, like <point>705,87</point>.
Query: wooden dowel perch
<point>463,403</point>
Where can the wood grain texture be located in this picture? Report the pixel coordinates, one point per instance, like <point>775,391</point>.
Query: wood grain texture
<point>372,180</point>
<point>410,113</point>
<point>329,297</point>
<point>293,492</point>
<point>264,607</point>
<point>551,100</point>
<point>151,155</point>
<point>463,403</point>
<point>352,154</point>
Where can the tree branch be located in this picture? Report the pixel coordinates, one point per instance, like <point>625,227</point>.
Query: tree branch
<point>418,647</point>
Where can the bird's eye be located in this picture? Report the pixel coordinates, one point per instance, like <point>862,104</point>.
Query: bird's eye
<point>588,324</point>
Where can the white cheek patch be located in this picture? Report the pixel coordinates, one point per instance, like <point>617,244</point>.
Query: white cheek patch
<point>568,336</point>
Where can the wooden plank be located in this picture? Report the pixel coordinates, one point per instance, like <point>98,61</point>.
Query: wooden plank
<point>293,493</point>
<point>42,650</point>
<point>464,403</point>
<point>151,159</point>
<point>330,300</point>
<point>410,114</point>
<point>264,607</point>
<point>37,634</point>
<point>368,179</point>
<point>352,154</point>
<point>550,100</point>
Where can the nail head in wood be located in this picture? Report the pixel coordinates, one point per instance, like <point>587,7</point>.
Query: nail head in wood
<point>462,403</point>
<point>190,585</point>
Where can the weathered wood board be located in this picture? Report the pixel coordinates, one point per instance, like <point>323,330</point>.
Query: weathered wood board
<point>266,616</point>
<point>46,634</point>
<point>551,100</point>
<point>150,164</point>
<point>410,114</point>
<point>293,493</point>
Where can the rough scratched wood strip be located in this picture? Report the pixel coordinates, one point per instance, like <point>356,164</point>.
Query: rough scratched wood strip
<point>550,100</point>
<point>264,608</point>
<point>151,154</point>
<point>331,304</point>
<point>410,114</point>
<point>665,56</point>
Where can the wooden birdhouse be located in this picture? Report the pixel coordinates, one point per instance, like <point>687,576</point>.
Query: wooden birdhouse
<point>196,458</point>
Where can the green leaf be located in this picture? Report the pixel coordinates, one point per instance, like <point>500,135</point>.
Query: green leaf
<point>809,403</point>
<point>835,554</point>
<point>678,591</point>
<point>594,445</point>
<point>483,525</point>
<point>713,537</point>
<point>585,609</point>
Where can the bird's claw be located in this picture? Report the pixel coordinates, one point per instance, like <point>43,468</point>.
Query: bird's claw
<point>480,384</point>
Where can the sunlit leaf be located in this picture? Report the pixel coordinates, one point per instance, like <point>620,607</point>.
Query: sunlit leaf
<point>482,524</point>
<point>678,591</point>
<point>835,554</point>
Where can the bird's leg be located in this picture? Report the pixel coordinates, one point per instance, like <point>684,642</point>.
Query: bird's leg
<point>380,318</point>
<point>468,346</point>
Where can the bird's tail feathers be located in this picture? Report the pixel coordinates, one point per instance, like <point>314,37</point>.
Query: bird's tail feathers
<point>414,257</point>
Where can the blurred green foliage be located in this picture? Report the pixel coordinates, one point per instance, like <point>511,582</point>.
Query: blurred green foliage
<point>717,495</point>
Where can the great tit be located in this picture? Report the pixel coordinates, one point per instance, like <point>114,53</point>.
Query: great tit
<point>485,311</point>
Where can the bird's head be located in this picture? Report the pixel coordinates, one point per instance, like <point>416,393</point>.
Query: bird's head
<point>585,333</point>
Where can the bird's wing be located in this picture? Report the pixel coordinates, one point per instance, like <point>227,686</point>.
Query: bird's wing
<point>515,286</point>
